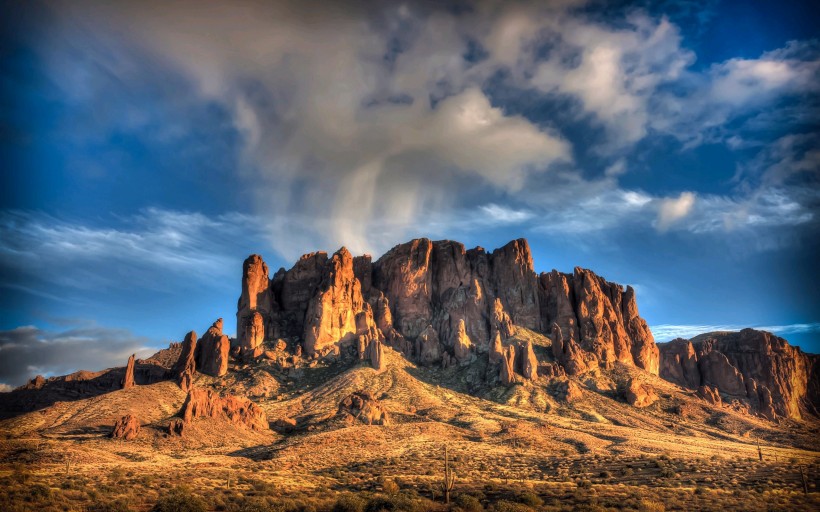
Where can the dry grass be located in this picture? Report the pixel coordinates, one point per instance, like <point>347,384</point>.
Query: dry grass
<point>516,448</point>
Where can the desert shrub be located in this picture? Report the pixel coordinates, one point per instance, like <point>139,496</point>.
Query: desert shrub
<point>509,506</point>
<point>179,499</point>
<point>468,503</point>
<point>584,484</point>
<point>652,506</point>
<point>349,503</point>
<point>119,505</point>
<point>396,502</point>
<point>389,485</point>
<point>38,493</point>
<point>530,499</point>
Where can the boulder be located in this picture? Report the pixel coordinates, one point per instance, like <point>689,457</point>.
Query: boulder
<point>176,427</point>
<point>362,406</point>
<point>128,379</point>
<point>127,427</point>
<point>568,391</point>
<point>640,394</point>
<point>710,394</point>
<point>207,403</point>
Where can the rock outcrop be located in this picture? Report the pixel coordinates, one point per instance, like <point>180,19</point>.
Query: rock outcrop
<point>256,298</point>
<point>437,302</point>
<point>597,322</point>
<point>128,380</point>
<point>639,394</point>
<point>127,427</point>
<point>362,406</point>
<point>207,403</point>
<point>754,367</point>
<point>212,351</point>
<point>185,367</point>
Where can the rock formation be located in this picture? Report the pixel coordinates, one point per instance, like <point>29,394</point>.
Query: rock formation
<point>206,403</point>
<point>364,407</point>
<point>253,335</point>
<point>506,373</point>
<point>755,367</point>
<point>597,321</point>
<point>128,380</point>
<point>256,298</point>
<point>331,312</point>
<point>185,367</point>
<point>127,427</point>
<point>529,363</point>
<point>212,351</point>
<point>639,394</point>
<point>437,301</point>
<point>462,344</point>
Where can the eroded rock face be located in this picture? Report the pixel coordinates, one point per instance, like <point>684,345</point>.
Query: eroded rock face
<point>253,336</point>
<point>529,363</point>
<point>362,406</point>
<point>185,367</point>
<point>238,410</point>
<point>428,347</point>
<point>128,380</point>
<point>256,299</point>
<point>754,367</point>
<point>331,313</point>
<point>597,322</point>
<point>212,351</point>
<point>424,291</point>
<point>462,344</point>
<point>679,363</point>
<point>127,427</point>
<point>506,373</point>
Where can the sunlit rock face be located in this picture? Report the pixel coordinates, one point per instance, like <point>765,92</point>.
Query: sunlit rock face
<point>438,302</point>
<point>594,322</point>
<point>754,367</point>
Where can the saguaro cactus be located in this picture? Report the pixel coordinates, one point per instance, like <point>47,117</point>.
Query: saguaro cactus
<point>449,477</point>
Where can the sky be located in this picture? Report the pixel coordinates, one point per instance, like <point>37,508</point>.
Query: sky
<point>148,147</point>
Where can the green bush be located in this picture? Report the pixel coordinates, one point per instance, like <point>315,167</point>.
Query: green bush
<point>179,499</point>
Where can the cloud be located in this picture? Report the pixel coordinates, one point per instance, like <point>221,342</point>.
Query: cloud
<point>667,332</point>
<point>44,251</point>
<point>671,210</point>
<point>28,351</point>
<point>360,123</point>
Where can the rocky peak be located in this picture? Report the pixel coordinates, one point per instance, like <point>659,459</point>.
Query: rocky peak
<point>754,367</point>
<point>427,298</point>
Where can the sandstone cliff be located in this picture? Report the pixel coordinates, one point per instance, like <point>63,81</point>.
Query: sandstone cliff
<point>439,303</point>
<point>755,368</point>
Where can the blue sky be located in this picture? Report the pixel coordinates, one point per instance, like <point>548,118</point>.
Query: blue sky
<point>149,147</point>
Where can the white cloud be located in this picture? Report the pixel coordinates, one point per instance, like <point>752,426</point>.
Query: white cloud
<point>52,251</point>
<point>361,124</point>
<point>672,210</point>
